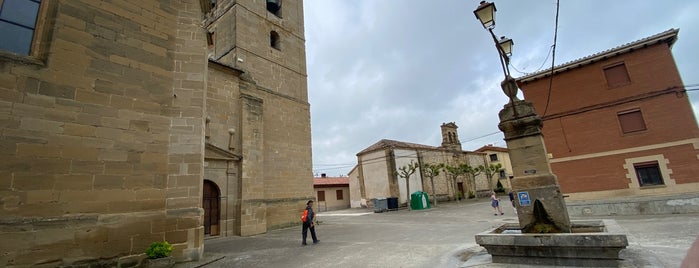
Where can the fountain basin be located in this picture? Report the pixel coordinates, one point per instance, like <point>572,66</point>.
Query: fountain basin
<point>592,243</point>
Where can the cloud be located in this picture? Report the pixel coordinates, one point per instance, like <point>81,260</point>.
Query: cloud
<point>399,69</point>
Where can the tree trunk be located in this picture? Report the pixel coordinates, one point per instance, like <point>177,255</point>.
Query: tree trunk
<point>407,184</point>
<point>434,192</point>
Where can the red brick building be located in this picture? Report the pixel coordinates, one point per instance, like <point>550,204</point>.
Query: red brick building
<point>619,123</point>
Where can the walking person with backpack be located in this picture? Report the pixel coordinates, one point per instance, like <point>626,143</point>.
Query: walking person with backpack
<point>307,218</point>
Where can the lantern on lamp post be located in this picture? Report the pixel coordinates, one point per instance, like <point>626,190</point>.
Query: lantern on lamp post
<point>485,13</point>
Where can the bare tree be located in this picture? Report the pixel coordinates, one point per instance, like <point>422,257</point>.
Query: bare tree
<point>454,172</point>
<point>405,172</point>
<point>472,172</point>
<point>490,171</point>
<point>431,171</point>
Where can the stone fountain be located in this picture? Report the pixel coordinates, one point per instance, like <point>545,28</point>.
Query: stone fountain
<point>545,235</point>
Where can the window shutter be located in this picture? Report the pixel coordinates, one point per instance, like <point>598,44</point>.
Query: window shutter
<point>631,121</point>
<point>617,75</point>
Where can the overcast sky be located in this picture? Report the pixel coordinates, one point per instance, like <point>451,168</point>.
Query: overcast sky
<point>391,69</point>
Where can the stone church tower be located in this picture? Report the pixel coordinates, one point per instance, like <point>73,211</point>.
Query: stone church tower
<point>450,137</point>
<point>129,122</point>
<point>257,171</point>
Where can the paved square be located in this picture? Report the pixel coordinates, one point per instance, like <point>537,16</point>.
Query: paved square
<point>436,237</point>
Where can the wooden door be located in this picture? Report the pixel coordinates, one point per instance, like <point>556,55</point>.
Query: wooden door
<point>211,202</point>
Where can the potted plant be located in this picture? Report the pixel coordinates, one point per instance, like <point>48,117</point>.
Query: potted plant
<point>158,255</point>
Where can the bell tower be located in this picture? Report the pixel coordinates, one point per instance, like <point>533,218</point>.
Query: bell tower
<point>263,43</point>
<point>450,137</point>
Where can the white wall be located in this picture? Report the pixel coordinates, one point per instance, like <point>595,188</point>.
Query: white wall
<point>355,193</point>
<point>375,175</point>
<point>403,158</point>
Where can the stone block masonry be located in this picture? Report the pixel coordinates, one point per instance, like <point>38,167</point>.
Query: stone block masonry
<point>91,130</point>
<point>121,130</point>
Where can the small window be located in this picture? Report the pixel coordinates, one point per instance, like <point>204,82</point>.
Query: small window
<point>339,195</point>
<point>321,196</point>
<point>207,5</point>
<point>210,39</point>
<point>648,174</point>
<point>275,7</point>
<point>631,121</point>
<point>493,157</point>
<point>274,40</point>
<point>617,75</point>
<point>502,173</point>
<point>17,24</point>
<point>207,128</point>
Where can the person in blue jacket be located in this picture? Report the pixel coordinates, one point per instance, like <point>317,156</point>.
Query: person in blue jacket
<point>308,224</point>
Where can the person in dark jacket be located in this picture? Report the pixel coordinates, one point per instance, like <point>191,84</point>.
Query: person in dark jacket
<point>308,224</point>
<point>512,200</point>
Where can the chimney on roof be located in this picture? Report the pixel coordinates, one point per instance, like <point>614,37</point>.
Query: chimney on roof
<point>323,175</point>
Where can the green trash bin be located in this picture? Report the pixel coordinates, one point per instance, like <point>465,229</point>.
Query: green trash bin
<point>419,200</point>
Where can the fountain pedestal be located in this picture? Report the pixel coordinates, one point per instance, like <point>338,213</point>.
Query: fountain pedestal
<point>592,243</point>
<point>539,202</point>
<point>545,234</point>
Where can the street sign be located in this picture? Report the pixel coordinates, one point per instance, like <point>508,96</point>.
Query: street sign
<point>524,199</point>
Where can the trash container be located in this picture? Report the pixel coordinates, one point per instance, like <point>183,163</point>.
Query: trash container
<point>392,203</point>
<point>380,205</point>
<point>419,200</point>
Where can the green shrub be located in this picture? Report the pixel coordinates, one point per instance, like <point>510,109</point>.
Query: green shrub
<point>471,195</point>
<point>499,188</point>
<point>159,250</point>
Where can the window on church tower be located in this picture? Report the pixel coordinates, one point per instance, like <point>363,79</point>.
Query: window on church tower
<point>274,40</point>
<point>210,39</point>
<point>275,7</point>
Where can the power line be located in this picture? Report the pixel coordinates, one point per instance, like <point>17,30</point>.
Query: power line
<point>553,60</point>
<point>537,69</point>
<point>486,135</point>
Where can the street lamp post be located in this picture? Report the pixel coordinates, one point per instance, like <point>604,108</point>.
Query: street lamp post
<point>486,15</point>
<point>539,202</point>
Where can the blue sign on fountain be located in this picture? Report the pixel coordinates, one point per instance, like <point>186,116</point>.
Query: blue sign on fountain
<point>524,199</point>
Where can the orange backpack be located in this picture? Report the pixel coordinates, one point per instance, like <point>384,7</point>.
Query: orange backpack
<point>304,216</point>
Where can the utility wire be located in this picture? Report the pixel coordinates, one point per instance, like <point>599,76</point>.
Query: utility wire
<point>553,60</point>
<point>548,54</point>
<point>486,135</point>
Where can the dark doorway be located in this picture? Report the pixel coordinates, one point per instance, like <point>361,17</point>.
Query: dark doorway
<point>460,185</point>
<point>212,203</point>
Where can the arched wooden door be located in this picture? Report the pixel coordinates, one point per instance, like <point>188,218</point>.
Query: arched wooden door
<point>212,203</point>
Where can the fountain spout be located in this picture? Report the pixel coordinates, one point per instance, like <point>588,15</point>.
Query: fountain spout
<point>542,221</point>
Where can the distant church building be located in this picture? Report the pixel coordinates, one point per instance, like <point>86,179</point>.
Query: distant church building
<point>129,122</point>
<point>374,177</point>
